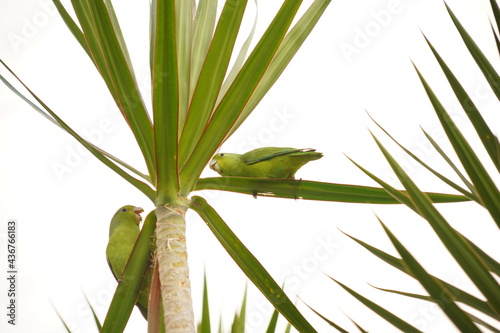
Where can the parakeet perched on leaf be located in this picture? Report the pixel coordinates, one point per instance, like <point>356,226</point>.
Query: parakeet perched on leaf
<point>268,162</point>
<point>123,232</point>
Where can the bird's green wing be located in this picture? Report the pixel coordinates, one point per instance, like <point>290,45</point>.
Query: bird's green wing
<point>110,267</point>
<point>267,153</point>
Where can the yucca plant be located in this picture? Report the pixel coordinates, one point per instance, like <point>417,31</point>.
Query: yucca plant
<point>197,104</point>
<point>467,312</point>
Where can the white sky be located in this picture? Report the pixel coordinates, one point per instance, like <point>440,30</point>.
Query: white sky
<point>357,59</point>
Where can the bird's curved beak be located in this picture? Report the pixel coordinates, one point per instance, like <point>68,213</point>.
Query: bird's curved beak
<point>138,211</point>
<point>214,166</point>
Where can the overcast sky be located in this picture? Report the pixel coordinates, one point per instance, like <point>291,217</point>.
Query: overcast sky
<point>358,59</point>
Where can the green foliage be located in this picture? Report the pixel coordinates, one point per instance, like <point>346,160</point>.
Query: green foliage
<point>480,267</point>
<point>198,102</point>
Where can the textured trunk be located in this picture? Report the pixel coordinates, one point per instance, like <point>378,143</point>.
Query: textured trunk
<point>173,269</point>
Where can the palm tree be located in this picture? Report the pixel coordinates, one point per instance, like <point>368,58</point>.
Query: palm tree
<point>197,104</point>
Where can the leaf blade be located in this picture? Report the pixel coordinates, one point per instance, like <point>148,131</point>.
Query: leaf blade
<point>309,190</point>
<point>165,101</point>
<point>250,265</point>
<point>434,288</point>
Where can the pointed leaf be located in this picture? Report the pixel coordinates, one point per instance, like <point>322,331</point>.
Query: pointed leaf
<point>455,168</point>
<point>436,290</point>
<point>238,94</point>
<point>94,314</point>
<point>287,49</point>
<point>488,70</point>
<point>459,294</point>
<point>496,12</point>
<point>469,260</point>
<point>204,22</point>
<point>239,318</point>
<point>485,186</point>
<point>53,121</point>
<point>331,323</point>
<point>118,34</point>
<point>389,316</point>
<point>238,63</point>
<point>489,140</point>
<point>165,101</point>
<point>144,188</point>
<point>72,26</point>
<point>204,326</point>
<point>211,77</point>
<point>66,327</point>
<point>184,21</point>
<point>271,327</point>
<point>309,190</point>
<point>250,265</point>
<point>434,172</point>
<point>111,61</point>
<point>361,329</point>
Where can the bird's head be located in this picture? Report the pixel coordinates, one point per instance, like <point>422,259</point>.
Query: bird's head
<point>130,210</point>
<point>226,164</point>
<point>214,163</point>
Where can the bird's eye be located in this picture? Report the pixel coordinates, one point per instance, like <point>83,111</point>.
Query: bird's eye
<point>221,155</point>
<point>124,209</point>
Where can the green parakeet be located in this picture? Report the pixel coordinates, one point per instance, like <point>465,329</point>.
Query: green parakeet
<point>123,232</point>
<point>268,162</point>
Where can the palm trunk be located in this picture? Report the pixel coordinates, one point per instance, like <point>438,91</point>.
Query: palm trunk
<point>173,269</point>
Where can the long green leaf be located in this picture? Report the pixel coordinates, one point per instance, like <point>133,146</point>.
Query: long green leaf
<point>204,326</point>
<point>118,33</point>
<point>429,299</point>
<point>360,328</point>
<point>94,314</point>
<point>240,59</point>
<point>238,94</point>
<point>211,77</point>
<point>290,45</point>
<point>400,196</point>
<point>492,264</point>
<point>99,154</point>
<point>465,256</point>
<point>434,172</point>
<point>489,140</point>
<point>485,186</point>
<point>72,26</point>
<point>496,13</point>
<point>309,190</point>
<point>488,70</point>
<point>53,121</point>
<point>129,285</point>
<point>331,323</point>
<point>184,25</point>
<point>111,62</point>
<point>497,41</point>
<point>66,327</point>
<point>238,325</point>
<point>250,265</point>
<point>387,315</point>
<point>204,22</point>
<point>459,294</point>
<point>165,101</point>
<point>271,327</point>
<point>455,168</point>
<point>436,290</point>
